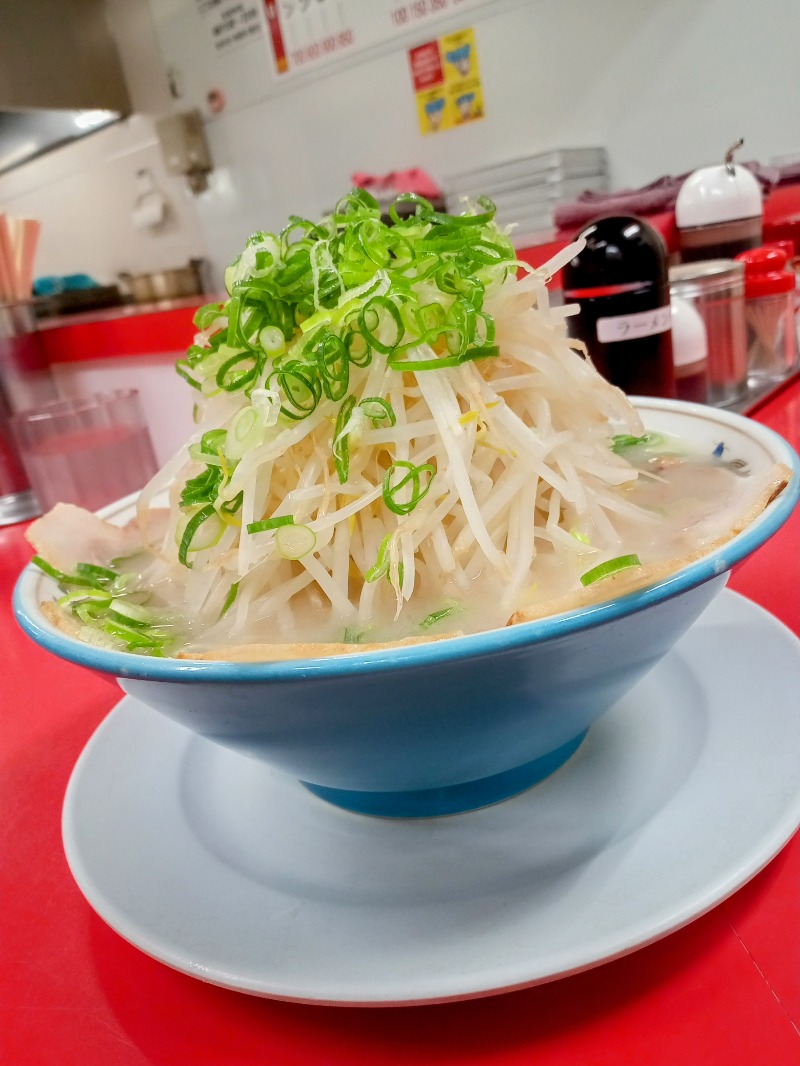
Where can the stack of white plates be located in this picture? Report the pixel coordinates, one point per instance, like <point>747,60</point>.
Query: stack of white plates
<point>526,190</point>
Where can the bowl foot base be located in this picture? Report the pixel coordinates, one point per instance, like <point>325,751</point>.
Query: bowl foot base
<point>453,799</point>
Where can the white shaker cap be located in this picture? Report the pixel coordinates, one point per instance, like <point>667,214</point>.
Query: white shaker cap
<point>689,338</point>
<point>724,193</point>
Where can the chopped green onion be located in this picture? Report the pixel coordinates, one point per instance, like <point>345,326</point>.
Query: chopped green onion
<point>89,613</point>
<point>132,636</point>
<point>199,456</point>
<point>333,363</point>
<point>100,574</point>
<point>230,378</point>
<point>412,480</point>
<point>424,208</point>
<point>315,302</point>
<point>270,523</point>
<point>272,340</point>
<point>191,531</point>
<point>341,445</point>
<point>233,592</point>
<point>379,313</point>
<point>96,597</point>
<point>183,368</point>
<point>203,488</point>
<point>378,410</point>
<point>300,387</point>
<point>293,542</point>
<point>212,441</point>
<point>437,616</point>
<point>381,564</point>
<point>246,432</point>
<point>206,315</point>
<point>611,566</point>
<point>424,364</point>
<point>232,506</point>
<point>132,614</point>
<point>60,576</point>
<point>623,441</point>
<point>580,537</point>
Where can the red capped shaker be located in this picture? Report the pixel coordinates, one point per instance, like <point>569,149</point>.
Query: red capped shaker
<point>770,307</point>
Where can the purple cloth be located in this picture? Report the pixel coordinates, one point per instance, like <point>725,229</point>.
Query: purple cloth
<point>652,199</point>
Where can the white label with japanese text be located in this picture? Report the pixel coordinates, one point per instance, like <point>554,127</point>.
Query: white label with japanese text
<point>631,327</point>
<point>229,22</point>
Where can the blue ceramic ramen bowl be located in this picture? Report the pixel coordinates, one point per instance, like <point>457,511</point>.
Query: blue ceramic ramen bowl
<point>458,724</point>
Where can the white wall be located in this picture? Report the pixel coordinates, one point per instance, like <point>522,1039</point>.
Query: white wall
<point>84,195</point>
<point>664,85</point>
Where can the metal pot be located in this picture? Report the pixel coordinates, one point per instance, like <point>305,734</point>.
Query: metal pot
<point>166,284</point>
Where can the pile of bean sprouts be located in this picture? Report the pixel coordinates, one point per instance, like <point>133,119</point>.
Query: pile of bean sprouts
<point>385,408</point>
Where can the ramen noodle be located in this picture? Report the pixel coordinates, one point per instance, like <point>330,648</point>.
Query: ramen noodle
<point>396,441</point>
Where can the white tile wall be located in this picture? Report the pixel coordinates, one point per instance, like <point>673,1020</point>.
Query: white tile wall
<point>84,195</point>
<point>166,398</point>
<point>665,87</point>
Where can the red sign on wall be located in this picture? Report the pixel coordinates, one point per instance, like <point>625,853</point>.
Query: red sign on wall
<point>426,66</point>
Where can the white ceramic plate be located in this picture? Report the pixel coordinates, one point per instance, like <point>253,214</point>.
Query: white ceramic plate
<point>220,867</point>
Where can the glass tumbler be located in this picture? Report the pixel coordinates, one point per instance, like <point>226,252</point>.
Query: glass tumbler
<point>88,450</point>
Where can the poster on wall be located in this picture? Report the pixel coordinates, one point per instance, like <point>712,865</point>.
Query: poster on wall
<point>305,35</point>
<point>224,55</point>
<point>447,82</point>
<point>228,23</point>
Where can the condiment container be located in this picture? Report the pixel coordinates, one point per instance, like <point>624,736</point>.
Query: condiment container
<point>715,288</point>
<point>17,501</point>
<point>620,282</point>
<point>689,352</point>
<point>169,284</point>
<point>769,291</point>
<point>719,212</point>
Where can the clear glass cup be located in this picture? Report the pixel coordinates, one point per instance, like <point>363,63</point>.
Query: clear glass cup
<point>771,337</point>
<point>17,501</point>
<point>88,450</point>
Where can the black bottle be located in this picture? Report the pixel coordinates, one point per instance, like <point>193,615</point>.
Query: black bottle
<point>621,282</point>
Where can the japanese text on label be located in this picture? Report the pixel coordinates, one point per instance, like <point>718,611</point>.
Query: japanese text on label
<point>631,327</point>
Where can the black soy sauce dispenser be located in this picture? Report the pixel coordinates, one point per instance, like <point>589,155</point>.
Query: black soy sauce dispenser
<point>621,282</point>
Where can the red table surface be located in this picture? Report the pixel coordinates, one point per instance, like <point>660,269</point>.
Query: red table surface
<point>723,991</point>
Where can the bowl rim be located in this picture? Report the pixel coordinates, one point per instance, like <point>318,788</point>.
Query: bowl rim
<point>128,665</point>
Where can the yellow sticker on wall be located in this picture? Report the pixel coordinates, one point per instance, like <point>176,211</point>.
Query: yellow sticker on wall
<point>447,82</point>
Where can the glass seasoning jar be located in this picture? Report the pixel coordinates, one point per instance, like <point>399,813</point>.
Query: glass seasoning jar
<point>715,288</point>
<point>719,212</point>
<point>689,352</point>
<point>620,282</point>
<point>769,294</point>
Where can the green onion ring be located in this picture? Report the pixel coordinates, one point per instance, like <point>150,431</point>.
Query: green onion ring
<point>270,523</point>
<point>611,566</point>
<point>372,311</point>
<point>378,410</point>
<point>413,478</point>
<point>341,446</point>
<point>192,527</point>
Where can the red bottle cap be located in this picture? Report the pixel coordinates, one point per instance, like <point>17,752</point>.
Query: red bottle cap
<point>785,246</point>
<point>765,272</point>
